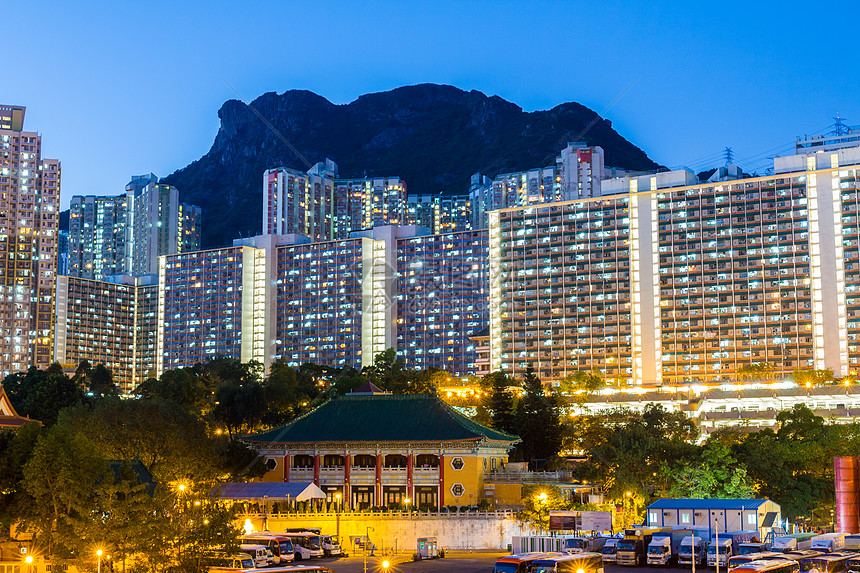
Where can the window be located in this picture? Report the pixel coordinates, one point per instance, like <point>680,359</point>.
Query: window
<point>458,490</point>
<point>685,517</point>
<point>751,519</point>
<point>271,464</point>
<point>457,463</point>
<point>653,516</point>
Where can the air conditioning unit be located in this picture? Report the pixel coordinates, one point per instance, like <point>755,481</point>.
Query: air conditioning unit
<point>698,514</point>
<point>667,513</point>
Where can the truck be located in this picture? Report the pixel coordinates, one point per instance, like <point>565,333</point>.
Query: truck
<point>693,548</point>
<point>579,544</point>
<point>609,549</point>
<point>792,542</point>
<point>751,547</point>
<point>852,542</point>
<point>664,546</point>
<point>723,545</point>
<point>828,542</point>
<point>632,549</point>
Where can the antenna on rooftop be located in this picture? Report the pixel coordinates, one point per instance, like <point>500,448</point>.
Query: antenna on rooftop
<point>729,155</point>
<point>839,128</point>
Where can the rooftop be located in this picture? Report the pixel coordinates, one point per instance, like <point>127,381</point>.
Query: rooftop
<point>382,418</point>
<point>707,503</point>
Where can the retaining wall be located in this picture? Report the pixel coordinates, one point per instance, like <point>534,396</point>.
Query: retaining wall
<point>489,530</point>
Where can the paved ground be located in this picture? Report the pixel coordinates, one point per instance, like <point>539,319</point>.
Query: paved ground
<point>459,562</point>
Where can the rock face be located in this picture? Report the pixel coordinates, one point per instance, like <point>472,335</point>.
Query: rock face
<point>433,136</point>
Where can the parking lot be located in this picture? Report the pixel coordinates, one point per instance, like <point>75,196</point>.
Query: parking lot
<point>455,562</point>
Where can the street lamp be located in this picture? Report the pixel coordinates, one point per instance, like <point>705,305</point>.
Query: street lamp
<point>385,565</point>
<point>337,515</point>
<point>99,553</point>
<point>366,541</point>
<point>406,501</point>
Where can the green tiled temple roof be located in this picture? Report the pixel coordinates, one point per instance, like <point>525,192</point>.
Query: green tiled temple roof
<point>382,418</point>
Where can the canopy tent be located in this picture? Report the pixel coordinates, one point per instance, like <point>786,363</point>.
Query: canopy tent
<point>268,491</point>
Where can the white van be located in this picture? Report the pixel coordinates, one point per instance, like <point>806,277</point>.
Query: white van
<point>261,554</point>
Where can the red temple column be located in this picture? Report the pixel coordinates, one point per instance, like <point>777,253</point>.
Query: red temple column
<point>441,479</point>
<point>287,467</point>
<point>378,480</point>
<point>347,465</point>
<point>409,478</point>
<point>316,469</point>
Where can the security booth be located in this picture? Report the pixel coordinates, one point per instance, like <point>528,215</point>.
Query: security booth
<point>427,548</point>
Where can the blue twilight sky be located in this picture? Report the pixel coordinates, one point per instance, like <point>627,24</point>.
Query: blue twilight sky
<point>122,88</point>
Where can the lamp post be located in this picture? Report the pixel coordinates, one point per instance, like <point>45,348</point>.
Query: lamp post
<point>99,553</point>
<point>540,501</point>
<point>337,515</point>
<point>366,541</point>
<point>29,561</point>
<point>406,501</point>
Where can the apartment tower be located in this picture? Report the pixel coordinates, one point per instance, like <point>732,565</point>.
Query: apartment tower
<point>29,226</point>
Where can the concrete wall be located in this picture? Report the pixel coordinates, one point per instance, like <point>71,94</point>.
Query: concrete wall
<point>475,531</point>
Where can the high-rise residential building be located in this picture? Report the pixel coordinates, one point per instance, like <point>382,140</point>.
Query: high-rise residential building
<point>576,174</point>
<point>300,202</point>
<point>440,213</point>
<point>126,234</point>
<point>108,322</point>
<point>580,170</point>
<point>207,306</point>
<point>331,302</point>
<point>664,280</point>
<point>421,210</point>
<point>321,206</point>
<point>29,227</point>
<point>158,224</point>
<point>98,235</point>
<point>442,294</point>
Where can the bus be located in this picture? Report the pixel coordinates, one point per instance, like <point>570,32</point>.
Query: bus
<point>836,562</point>
<point>768,566</point>
<point>799,554</point>
<point>520,562</point>
<point>576,563</point>
<point>280,546</point>
<point>737,560</point>
<point>306,544</point>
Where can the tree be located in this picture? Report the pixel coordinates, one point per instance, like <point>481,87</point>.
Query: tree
<point>101,381</point>
<point>717,475</point>
<point>238,406</point>
<point>16,447</point>
<point>185,387</point>
<point>500,402</point>
<point>538,501</point>
<point>812,377</point>
<point>538,422</point>
<point>60,478</point>
<point>172,443</point>
<point>42,394</point>
<point>794,464</point>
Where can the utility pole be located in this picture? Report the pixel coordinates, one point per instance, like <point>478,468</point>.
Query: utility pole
<point>717,542</point>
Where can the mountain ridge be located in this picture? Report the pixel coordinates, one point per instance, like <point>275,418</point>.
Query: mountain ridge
<point>432,136</point>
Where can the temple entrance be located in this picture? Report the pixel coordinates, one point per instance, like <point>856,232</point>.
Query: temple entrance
<point>362,496</point>
<point>426,496</point>
<point>393,496</point>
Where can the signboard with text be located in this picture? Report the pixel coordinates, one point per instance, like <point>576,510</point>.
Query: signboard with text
<point>560,520</point>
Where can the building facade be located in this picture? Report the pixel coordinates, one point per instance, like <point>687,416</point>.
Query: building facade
<point>673,284</point>
<point>109,323</point>
<point>442,293</point>
<point>368,448</point>
<point>127,233</point>
<point>338,303</point>
<point>29,228</point>
<point>98,234</point>
<point>158,224</point>
<point>319,205</point>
